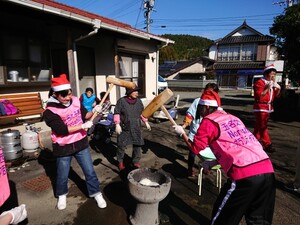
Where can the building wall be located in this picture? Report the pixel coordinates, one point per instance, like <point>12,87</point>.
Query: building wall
<point>244,32</point>
<point>196,68</point>
<point>104,46</point>
<point>212,52</point>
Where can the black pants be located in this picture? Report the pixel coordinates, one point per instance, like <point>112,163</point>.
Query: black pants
<point>136,153</point>
<point>252,197</point>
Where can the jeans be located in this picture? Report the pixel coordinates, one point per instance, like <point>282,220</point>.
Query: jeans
<point>84,159</point>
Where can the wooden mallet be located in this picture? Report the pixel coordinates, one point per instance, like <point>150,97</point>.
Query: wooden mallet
<point>158,102</point>
<point>112,82</point>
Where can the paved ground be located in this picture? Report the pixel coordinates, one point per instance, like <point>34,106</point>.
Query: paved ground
<point>32,183</point>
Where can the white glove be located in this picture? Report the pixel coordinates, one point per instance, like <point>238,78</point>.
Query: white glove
<point>275,85</point>
<point>97,108</point>
<point>208,164</point>
<point>118,129</point>
<point>271,83</point>
<point>179,129</point>
<point>18,214</point>
<point>87,125</point>
<point>148,126</point>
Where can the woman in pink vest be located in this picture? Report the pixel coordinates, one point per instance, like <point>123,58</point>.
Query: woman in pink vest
<point>265,90</point>
<point>66,117</point>
<point>17,214</point>
<point>250,189</point>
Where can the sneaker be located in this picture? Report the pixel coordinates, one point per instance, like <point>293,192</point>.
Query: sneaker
<point>292,187</point>
<point>270,149</point>
<point>100,201</point>
<point>136,165</point>
<point>121,166</point>
<point>62,202</point>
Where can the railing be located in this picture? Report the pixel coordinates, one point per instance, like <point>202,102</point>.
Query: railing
<point>188,84</point>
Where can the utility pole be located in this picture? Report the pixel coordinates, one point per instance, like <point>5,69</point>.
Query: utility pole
<point>148,7</point>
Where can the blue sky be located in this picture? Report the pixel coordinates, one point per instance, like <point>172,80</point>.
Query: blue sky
<point>212,19</point>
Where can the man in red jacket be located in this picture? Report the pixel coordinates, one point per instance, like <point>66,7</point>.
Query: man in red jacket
<point>265,90</point>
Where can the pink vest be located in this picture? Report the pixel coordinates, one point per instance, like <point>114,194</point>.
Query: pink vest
<point>71,117</point>
<point>4,185</point>
<point>236,145</point>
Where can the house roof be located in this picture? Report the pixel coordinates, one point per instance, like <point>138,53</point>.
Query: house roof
<point>53,7</point>
<point>255,37</point>
<point>238,65</point>
<point>170,68</point>
<point>244,26</point>
<point>246,39</point>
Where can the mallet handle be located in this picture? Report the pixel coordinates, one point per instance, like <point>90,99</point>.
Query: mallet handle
<point>185,137</point>
<point>102,100</point>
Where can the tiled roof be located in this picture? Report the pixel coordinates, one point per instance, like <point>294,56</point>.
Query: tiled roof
<point>239,65</point>
<point>82,12</point>
<point>245,39</point>
<point>171,68</point>
<point>65,10</point>
<point>244,26</point>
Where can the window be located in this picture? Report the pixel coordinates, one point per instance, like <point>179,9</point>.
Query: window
<point>25,59</point>
<point>237,53</point>
<point>249,52</point>
<point>222,54</point>
<point>229,53</point>
<point>132,68</point>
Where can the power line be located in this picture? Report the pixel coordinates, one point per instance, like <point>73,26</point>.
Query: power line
<point>122,8</point>
<point>141,8</point>
<point>215,18</point>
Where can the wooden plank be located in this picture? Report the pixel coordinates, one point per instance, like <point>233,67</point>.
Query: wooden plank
<point>32,112</point>
<point>25,100</point>
<point>16,96</point>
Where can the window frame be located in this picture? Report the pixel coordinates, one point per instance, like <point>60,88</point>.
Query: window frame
<point>246,52</point>
<point>136,70</point>
<point>33,65</point>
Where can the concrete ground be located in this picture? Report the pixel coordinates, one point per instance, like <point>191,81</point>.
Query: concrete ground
<point>32,181</point>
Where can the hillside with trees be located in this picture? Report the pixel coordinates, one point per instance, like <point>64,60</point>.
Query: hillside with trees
<point>186,47</point>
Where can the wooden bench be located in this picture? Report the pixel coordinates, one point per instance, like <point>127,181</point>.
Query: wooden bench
<point>28,104</point>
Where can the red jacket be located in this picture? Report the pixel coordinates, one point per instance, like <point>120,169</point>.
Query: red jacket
<point>263,103</point>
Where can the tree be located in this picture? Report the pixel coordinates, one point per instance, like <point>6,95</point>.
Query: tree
<point>167,53</point>
<point>286,29</point>
<point>187,47</point>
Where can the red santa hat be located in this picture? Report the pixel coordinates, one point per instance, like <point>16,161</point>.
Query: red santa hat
<point>270,67</point>
<point>210,98</point>
<point>60,83</point>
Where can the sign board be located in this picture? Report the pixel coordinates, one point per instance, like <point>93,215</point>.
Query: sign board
<point>279,64</point>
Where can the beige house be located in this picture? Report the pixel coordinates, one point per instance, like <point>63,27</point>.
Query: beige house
<point>41,39</point>
<point>241,54</point>
<point>191,74</point>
